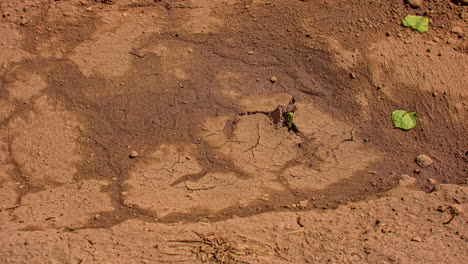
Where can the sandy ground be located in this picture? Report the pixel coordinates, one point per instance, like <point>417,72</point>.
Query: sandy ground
<point>155,132</point>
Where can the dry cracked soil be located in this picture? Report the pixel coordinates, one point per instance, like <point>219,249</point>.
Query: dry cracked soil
<point>142,131</point>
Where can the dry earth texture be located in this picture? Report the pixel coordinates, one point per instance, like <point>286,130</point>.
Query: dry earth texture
<point>142,131</point>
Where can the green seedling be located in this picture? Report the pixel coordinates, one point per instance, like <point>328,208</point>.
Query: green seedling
<point>289,119</point>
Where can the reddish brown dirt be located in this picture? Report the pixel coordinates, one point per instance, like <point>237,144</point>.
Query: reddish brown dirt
<point>218,177</point>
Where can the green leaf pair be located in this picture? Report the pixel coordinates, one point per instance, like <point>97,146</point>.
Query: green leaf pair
<point>404,120</point>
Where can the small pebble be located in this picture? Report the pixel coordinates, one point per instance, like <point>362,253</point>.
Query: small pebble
<point>416,239</point>
<point>352,75</point>
<point>457,30</point>
<point>424,161</point>
<point>415,3</point>
<point>304,204</point>
<point>300,221</point>
<point>133,154</point>
<point>273,79</point>
<point>250,52</point>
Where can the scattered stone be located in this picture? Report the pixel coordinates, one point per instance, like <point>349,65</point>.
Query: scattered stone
<point>250,52</point>
<point>265,197</point>
<point>406,180</point>
<point>387,34</point>
<point>367,250</point>
<point>133,154</point>
<point>417,171</point>
<point>300,222</point>
<point>416,239</point>
<point>457,30</point>
<point>352,75</point>
<point>415,3</point>
<point>455,209</point>
<point>304,204</point>
<point>378,222</point>
<point>242,204</point>
<point>273,79</point>
<point>434,94</point>
<point>424,161</point>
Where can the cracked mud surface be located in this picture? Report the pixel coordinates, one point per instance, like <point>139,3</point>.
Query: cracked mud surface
<point>188,86</point>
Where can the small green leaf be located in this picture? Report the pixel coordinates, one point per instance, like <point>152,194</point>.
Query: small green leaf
<point>289,119</point>
<point>418,23</point>
<point>402,119</point>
